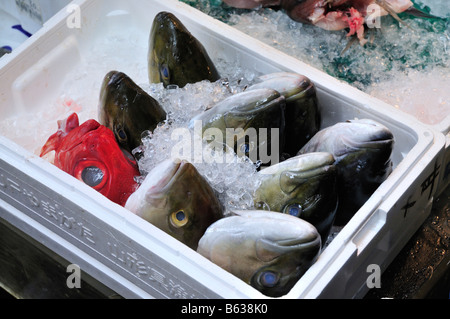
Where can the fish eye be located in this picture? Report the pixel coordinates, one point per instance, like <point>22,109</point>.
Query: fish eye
<point>245,148</point>
<point>179,219</point>
<point>164,72</point>
<point>92,176</point>
<point>121,134</point>
<point>269,279</point>
<point>294,210</point>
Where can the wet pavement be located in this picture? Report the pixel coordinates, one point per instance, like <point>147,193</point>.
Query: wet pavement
<point>422,268</point>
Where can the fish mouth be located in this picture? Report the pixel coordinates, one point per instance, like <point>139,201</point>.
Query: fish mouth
<point>165,16</point>
<point>171,173</point>
<point>380,141</point>
<point>315,172</point>
<point>168,25</point>
<point>374,136</point>
<point>160,180</point>
<point>114,77</point>
<point>250,102</point>
<point>320,165</point>
<point>291,85</point>
<point>299,242</point>
<point>291,180</point>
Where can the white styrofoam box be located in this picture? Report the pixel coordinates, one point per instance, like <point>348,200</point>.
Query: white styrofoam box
<point>444,177</point>
<point>134,258</point>
<point>32,14</point>
<point>444,181</point>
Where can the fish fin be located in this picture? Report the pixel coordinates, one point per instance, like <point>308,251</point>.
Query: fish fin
<point>421,14</point>
<point>51,144</point>
<point>64,128</point>
<point>69,124</point>
<point>349,44</point>
<point>372,36</point>
<point>386,6</point>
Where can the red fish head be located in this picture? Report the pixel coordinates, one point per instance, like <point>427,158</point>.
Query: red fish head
<point>91,154</point>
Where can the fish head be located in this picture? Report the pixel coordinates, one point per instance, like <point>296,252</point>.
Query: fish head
<point>268,250</point>
<point>91,154</point>
<point>241,117</point>
<point>175,56</point>
<point>303,118</point>
<point>359,136</point>
<point>127,110</point>
<point>367,150</point>
<point>304,187</point>
<point>178,200</point>
<point>291,85</point>
<point>362,149</point>
<point>366,142</point>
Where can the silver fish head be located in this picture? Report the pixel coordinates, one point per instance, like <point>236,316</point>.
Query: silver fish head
<point>304,187</point>
<point>268,250</point>
<point>177,199</point>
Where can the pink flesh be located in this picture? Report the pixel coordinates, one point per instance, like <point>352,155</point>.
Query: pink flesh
<point>354,18</point>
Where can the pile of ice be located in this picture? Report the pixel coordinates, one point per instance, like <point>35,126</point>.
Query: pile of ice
<point>393,66</point>
<point>234,179</point>
<point>427,97</point>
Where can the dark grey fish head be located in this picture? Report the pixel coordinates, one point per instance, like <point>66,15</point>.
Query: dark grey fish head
<point>363,150</point>
<point>127,110</point>
<point>304,187</point>
<point>268,250</point>
<point>175,56</point>
<point>353,136</point>
<point>240,118</point>
<point>292,86</point>
<point>303,117</point>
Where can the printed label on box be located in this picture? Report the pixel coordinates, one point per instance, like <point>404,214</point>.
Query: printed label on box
<point>99,240</point>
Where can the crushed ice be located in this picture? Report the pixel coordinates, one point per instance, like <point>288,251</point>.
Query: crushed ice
<point>233,179</point>
<point>403,67</point>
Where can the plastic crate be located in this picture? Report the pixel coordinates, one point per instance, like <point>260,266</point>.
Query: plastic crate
<point>134,258</point>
